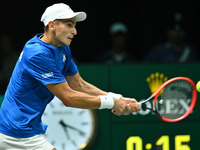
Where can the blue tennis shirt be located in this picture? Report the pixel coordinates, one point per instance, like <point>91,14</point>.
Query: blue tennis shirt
<point>27,96</point>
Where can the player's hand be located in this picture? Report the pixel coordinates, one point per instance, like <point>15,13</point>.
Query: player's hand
<point>132,103</point>
<point>125,106</point>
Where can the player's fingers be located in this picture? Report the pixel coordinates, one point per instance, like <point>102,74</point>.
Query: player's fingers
<point>130,100</point>
<point>134,107</point>
<point>133,100</point>
<point>118,113</point>
<point>114,112</point>
<point>128,108</point>
<point>124,109</point>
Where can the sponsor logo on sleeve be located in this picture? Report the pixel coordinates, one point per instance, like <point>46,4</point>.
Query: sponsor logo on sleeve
<point>46,75</point>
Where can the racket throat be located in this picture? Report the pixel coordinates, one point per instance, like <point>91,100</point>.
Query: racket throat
<point>143,106</point>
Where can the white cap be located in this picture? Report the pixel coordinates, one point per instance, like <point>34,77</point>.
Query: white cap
<point>61,11</point>
<point>118,27</point>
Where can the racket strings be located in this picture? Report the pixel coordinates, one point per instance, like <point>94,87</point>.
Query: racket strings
<point>175,99</point>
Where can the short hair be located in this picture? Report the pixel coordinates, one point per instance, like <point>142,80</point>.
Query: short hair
<point>46,28</point>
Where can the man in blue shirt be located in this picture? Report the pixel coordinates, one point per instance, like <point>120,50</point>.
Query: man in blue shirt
<point>45,69</point>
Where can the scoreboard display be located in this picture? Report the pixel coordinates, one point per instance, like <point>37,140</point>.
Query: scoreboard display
<point>155,135</point>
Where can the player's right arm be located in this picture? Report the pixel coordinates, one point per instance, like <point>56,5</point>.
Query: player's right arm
<point>72,98</point>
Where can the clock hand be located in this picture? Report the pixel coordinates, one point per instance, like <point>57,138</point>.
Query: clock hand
<point>71,127</point>
<point>65,129</point>
<point>78,130</point>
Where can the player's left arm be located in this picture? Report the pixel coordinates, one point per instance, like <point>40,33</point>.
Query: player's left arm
<point>77,83</point>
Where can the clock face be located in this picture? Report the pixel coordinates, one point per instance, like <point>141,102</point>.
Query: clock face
<point>68,128</point>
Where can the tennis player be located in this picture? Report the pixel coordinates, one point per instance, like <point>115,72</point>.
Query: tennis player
<point>45,69</point>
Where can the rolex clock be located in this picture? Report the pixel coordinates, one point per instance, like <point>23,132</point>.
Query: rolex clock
<point>69,128</point>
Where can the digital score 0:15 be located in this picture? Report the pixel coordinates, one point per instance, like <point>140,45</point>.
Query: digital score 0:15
<point>181,142</point>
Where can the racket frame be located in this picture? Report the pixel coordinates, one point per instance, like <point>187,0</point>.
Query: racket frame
<point>156,94</point>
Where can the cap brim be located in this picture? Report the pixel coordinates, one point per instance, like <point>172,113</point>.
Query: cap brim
<point>80,16</point>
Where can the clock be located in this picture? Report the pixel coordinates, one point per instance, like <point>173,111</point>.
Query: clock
<point>69,128</point>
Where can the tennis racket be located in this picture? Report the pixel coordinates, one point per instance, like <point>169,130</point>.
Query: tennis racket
<point>174,100</point>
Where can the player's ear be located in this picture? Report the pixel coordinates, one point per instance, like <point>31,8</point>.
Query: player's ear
<point>51,25</point>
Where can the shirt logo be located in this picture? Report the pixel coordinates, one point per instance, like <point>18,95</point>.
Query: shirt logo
<point>46,75</point>
<point>64,57</point>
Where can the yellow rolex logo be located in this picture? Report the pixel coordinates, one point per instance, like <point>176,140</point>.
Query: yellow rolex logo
<point>155,81</point>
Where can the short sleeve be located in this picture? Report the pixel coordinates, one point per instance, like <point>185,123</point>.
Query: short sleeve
<point>43,68</point>
<point>72,69</point>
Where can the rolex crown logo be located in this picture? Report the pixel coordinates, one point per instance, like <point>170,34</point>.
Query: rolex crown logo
<point>155,81</point>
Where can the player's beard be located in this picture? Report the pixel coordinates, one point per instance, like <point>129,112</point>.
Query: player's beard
<point>57,41</point>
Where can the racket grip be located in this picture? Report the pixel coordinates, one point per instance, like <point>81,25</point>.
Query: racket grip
<point>142,105</point>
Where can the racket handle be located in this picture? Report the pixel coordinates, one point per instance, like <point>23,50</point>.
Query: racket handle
<point>142,105</point>
<point>144,101</point>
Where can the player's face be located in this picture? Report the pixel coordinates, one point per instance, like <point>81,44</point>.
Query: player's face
<point>64,31</point>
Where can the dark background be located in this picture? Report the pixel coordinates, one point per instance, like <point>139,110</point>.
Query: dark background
<point>146,21</point>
